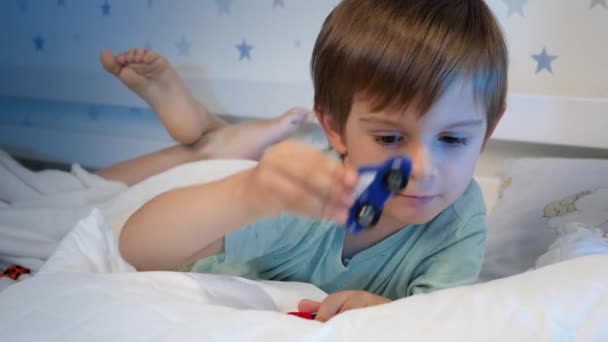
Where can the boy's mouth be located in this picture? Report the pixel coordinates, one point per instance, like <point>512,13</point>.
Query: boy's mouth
<point>417,196</point>
<point>417,200</point>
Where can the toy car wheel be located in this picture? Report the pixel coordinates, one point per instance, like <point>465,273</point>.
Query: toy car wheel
<point>394,181</point>
<point>368,215</point>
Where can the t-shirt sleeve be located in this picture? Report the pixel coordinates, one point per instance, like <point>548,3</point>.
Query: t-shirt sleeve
<point>262,237</point>
<point>456,263</point>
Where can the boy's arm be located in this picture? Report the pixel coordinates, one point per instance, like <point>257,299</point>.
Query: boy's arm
<point>184,225</point>
<point>457,263</point>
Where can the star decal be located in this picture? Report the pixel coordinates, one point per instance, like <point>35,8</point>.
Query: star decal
<point>544,61</point>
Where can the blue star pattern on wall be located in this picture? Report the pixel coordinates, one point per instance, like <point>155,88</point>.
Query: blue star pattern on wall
<point>598,2</point>
<point>106,8</point>
<point>515,6</point>
<point>544,61</point>
<point>39,43</point>
<point>223,6</point>
<point>183,46</point>
<point>244,50</point>
<point>208,31</point>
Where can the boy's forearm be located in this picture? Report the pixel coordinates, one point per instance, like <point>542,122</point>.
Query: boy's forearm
<point>173,228</point>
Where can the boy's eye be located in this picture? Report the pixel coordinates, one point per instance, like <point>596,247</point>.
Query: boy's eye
<point>449,140</point>
<point>389,139</point>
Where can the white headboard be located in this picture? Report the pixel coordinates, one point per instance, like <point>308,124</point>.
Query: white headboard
<point>543,126</point>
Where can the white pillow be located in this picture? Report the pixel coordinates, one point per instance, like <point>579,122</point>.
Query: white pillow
<point>575,240</point>
<point>490,187</point>
<point>537,197</point>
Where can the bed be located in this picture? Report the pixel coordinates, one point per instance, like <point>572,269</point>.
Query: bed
<point>544,278</point>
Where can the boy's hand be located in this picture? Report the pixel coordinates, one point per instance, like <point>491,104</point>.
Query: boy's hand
<point>300,179</point>
<point>339,302</point>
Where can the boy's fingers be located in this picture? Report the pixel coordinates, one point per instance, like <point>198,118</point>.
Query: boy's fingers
<point>353,303</point>
<point>362,301</point>
<point>292,196</point>
<point>316,175</point>
<point>342,195</point>
<point>331,306</point>
<point>326,185</point>
<point>350,177</point>
<point>309,306</point>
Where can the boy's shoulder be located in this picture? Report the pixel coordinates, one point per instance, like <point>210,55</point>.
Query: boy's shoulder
<point>470,203</point>
<point>463,219</point>
<point>467,213</point>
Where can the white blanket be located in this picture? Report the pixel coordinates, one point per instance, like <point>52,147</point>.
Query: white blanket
<point>37,209</point>
<point>562,302</point>
<point>86,292</point>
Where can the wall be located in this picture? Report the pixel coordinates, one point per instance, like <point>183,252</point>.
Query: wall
<point>250,58</point>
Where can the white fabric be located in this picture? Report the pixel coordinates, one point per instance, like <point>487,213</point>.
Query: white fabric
<point>73,299</point>
<point>538,196</point>
<point>490,187</point>
<point>574,240</point>
<point>87,292</point>
<point>124,204</point>
<point>39,208</point>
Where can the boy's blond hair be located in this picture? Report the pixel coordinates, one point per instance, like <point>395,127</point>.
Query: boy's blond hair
<point>399,53</point>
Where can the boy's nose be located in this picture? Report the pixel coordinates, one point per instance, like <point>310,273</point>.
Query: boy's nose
<point>422,163</point>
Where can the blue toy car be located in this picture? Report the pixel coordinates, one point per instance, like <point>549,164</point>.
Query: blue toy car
<point>376,184</point>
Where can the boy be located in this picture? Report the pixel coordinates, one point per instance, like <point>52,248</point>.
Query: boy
<point>422,78</point>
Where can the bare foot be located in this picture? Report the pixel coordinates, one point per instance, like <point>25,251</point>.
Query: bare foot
<point>249,139</point>
<point>151,77</point>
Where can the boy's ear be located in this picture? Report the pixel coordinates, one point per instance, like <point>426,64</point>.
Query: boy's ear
<point>333,134</point>
<point>491,128</point>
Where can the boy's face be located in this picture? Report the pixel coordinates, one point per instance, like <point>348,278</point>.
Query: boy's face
<point>444,145</point>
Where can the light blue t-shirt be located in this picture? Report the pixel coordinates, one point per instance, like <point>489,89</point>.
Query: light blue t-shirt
<point>445,252</point>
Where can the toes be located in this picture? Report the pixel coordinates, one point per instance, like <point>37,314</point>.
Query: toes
<point>122,58</point>
<point>139,55</point>
<point>149,56</point>
<point>298,115</point>
<point>109,62</point>
<point>130,55</point>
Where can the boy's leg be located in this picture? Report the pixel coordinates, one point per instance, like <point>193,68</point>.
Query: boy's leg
<point>135,170</point>
<point>152,78</point>
<point>202,134</point>
<point>246,140</point>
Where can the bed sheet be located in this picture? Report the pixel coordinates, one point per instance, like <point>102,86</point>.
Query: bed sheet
<point>86,292</point>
